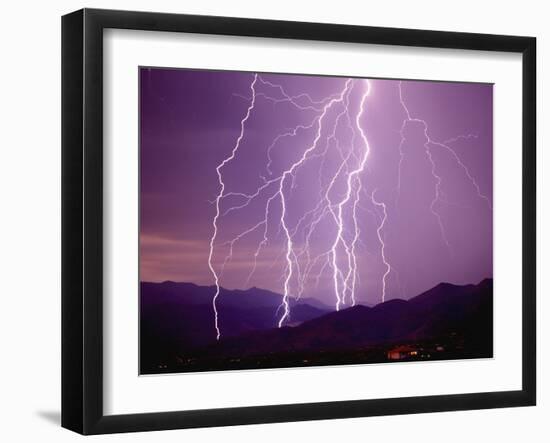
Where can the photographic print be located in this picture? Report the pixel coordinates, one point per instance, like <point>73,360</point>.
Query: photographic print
<point>291,220</point>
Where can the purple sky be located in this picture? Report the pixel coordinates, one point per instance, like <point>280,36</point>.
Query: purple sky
<point>438,224</point>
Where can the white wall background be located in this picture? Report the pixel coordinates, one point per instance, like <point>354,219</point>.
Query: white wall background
<point>30,219</point>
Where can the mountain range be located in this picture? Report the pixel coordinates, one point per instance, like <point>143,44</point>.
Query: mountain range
<point>176,325</point>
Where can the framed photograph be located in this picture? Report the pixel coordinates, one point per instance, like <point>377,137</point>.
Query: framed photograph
<point>269,221</point>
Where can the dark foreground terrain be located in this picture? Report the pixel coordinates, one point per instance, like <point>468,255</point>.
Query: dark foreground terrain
<point>177,331</point>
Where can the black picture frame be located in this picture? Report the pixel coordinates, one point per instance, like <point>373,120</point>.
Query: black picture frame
<point>82,219</point>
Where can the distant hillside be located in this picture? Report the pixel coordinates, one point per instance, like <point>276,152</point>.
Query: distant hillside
<point>178,317</point>
<point>177,324</point>
<point>443,310</point>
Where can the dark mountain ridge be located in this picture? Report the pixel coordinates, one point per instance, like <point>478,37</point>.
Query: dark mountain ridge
<point>192,294</point>
<point>178,317</point>
<point>443,310</point>
<point>177,320</point>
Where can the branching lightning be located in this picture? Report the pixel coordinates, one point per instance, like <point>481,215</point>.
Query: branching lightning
<point>290,172</point>
<point>379,230</point>
<point>332,137</point>
<point>218,199</point>
<point>429,143</point>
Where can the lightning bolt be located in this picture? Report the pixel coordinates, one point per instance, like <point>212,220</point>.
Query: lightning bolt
<point>340,289</point>
<point>333,128</point>
<point>438,194</point>
<point>219,198</point>
<point>382,243</point>
<point>279,188</point>
<point>286,174</point>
